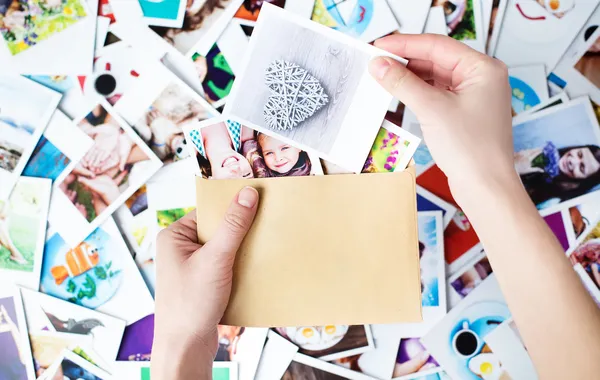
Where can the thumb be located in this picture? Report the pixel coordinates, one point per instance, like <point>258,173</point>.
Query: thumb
<point>404,85</point>
<point>235,225</point>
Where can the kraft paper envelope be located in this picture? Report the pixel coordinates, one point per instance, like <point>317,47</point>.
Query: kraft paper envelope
<point>340,249</point>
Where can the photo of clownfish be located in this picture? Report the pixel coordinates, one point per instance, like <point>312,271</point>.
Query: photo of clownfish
<point>88,274</point>
<point>78,261</point>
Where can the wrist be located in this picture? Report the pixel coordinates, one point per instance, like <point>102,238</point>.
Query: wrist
<point>476,193</point>
<point>181,358</point>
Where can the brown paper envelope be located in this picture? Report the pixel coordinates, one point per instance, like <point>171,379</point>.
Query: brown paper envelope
<point>322,250</point>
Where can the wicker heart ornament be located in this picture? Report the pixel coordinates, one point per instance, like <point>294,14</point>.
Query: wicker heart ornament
<point>295,95</point>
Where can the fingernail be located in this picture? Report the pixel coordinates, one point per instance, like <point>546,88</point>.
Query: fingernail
<point>378,67</point>
<point>248,197</point>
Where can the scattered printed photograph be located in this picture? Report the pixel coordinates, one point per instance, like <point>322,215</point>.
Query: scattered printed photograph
<point>26,23</point>
<point>226,149</point>
<point>558,165</point>
<point>23,230</point>
<point>329,342</point>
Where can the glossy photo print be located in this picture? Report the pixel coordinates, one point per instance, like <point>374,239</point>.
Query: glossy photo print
<point>366,20</point>
<point>26,110</point>
<point>26,23</point>
<point>16,362</point>
<point>464,21</point>
<point>557,154</point>
<point>413,360</point>
<point>458,341</point>
<point>48,314</point>
<point>23,231</point>
<point>589,64</point>
<point>71,366</point>
<point>116,166</point>
<point>167,13</point>
<point>329,342</point>
<point>433,274</point>
<point>540,31</point>
<point>392,149</point>
<point>528,87</point>
<point>587,253</point>
<point>204,21</point>
<point>215,74</point>
<point>61,146</point>
<point>334,116</point>
<point>305,367</point>
<point>226,149</point>
<point>159,106</point>
<point>99,274</point>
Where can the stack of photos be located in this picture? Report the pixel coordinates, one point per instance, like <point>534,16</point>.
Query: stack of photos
<point>341,113</point>
<point>110,110</point>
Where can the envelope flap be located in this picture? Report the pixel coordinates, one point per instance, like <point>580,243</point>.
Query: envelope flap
<point>323,249</point>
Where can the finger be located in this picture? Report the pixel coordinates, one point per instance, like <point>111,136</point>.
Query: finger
<point>235,225</point>
<point>405,85</point>
<point>184,229</point>
<point>427,70</point>
<point>444,51</point>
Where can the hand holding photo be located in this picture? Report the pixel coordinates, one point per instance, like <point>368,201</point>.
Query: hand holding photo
<point>227,149</point>
<point>315,93</point>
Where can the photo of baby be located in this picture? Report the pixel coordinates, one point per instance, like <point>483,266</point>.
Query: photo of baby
<point>557,163</point>
<point>25,23</point>
<point>200,15</point>
<point>589,64</point>
<point>161,126</point>
<point>227,149</point>
<point>107,170</point>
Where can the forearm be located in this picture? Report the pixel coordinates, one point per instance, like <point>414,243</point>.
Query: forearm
<point>552,309</point>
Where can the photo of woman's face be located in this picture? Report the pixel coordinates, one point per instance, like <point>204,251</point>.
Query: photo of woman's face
<point>579,163</point>
<point>230,165</point>
<point>279,157</point>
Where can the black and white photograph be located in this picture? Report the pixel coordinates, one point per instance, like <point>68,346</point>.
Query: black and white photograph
<point>315,92</point>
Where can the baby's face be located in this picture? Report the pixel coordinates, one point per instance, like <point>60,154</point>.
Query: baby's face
<point>279,157</point>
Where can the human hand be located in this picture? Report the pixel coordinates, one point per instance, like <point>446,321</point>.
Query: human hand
<point>104,152</point>
<point>524,161</point>
<point>462,100</point>
<point>125,146</point>
<point>103,185</point>
<point>193,289</point>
